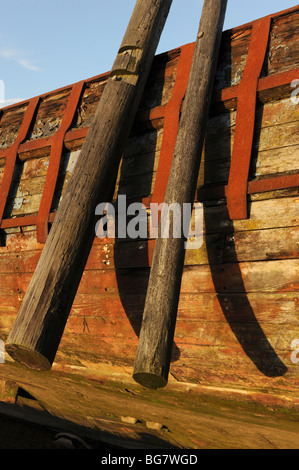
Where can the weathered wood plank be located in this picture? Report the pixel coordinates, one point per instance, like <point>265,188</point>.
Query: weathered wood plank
<point>232,373</point>
<point>221,334</point>
<point>137,186</point>
<point>270,213</point>
<point>232,57</point>
<point>191,336</point>
<point>283,57</point>
<point>50,114</point>
<point>14,283</point>
<point>267,276</point>
<point>280,243</point>
<point>193,363</point>
<point>10,125</point>
<point>210,308</point>
<point>271,307</point>
<point>25,241</point>
<point>206,353</point>
<point>26,205</point>
<point>274,161</point>
<point>256,245</point>
<point>275,150</point>
<point>264,214</point>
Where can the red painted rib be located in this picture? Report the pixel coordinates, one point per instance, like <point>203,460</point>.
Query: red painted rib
<point>274,183</point>
<point>247,93</point>
<point>54,163</point>
<point>12,153</point>
<point>171,122</point>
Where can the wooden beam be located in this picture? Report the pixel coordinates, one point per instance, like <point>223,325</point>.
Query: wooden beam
<point>159,316</point>
<point>36,333</point>
<point>245,121</point>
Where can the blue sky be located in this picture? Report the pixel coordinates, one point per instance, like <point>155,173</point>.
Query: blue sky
<point>45,45</point>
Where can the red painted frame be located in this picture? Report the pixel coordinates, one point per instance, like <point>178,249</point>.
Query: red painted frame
<point>171,122</point>
<point>12,153</point>
<point>54,163</point>
<point>247,93</point>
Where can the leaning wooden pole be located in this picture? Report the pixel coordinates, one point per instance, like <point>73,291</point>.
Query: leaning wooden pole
<point>36,333</point>
<point>159,317</point>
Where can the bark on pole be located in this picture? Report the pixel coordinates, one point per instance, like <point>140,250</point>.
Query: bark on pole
<point>159,317</point>
<point>36,333</point>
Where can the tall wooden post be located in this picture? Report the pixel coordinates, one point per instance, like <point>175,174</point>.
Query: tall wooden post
<point>159,317</point>
<point>36,333</point>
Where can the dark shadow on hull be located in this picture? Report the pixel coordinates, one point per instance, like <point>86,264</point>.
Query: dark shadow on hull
<point>131,257</point>
<point>233,300</point>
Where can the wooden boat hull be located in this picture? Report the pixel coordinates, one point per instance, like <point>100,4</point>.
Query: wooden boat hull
<point>235,340</point>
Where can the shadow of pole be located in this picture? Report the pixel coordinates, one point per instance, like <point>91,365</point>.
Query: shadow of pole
<point>133,257</point>
<point>231,292</point>
<point>241,318</point>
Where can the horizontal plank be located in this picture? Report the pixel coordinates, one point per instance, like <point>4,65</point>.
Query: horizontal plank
<point>278,112</point>
<point>264,308</point>
<point>272,194</point>
<point>278,243</point>
<point>233,373</point>
<point>270,307</point>
<point>236,366</point>
<point>253,336</point>
<point>274,161</point>
<point>25,205</point>
<point>85,344</point>
<point>35,167</point>
<point>10,125</point>
<point>257,245</point>
<point>269,276</point>
<point>283,58</point>
<point>278,136</point>
<point>139,164</point>
<point>19,242</point>
<point>14,283</point>
<point>50,114</point>
<point>264,214</point>
<point>137,186</point>
<point>143,144</point>
<point>266,276</point>
<point>204,347</point>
